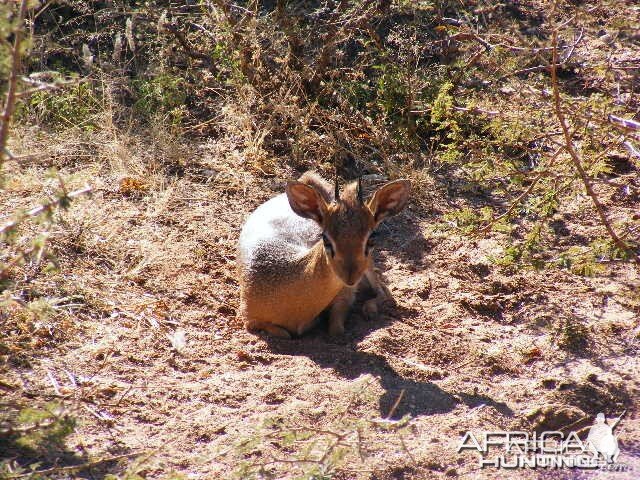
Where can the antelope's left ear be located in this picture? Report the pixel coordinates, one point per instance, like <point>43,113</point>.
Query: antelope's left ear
<point>389,199</point>
<point>306,201</point>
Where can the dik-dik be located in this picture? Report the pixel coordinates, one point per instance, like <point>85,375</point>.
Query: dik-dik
<point>308,250</point>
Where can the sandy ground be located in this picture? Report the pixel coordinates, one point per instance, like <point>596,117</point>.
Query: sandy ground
<point>155,361</point>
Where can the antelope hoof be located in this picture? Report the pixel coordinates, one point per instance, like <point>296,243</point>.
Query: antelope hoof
<point>269,329</point>
<point>370,309</point>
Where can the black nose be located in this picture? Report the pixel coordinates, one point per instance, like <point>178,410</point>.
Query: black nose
<point>352,275</point>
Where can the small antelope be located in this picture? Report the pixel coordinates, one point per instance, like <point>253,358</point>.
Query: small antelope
<point>308,250</point>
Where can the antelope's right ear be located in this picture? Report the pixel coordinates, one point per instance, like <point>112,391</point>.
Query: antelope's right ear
<point>306,201</point>
<point>389,199</point>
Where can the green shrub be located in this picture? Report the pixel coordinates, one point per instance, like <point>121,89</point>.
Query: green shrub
<point>161,96</point>
<point>30,434</point>
<point>77,106</point>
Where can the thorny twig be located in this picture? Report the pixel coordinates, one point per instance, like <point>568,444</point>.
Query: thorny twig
<point>21,255</point>
<point>39,86</point>
<point>575,158</point>
<point>46,207</point>
<point>10,101</point>
<point>562,62</point>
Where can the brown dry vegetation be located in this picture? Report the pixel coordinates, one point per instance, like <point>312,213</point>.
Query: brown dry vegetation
<point>515,309</point>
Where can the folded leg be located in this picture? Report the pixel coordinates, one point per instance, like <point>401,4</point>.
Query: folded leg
<point>371,307</point>
<point>270,328</point>
<point>339,310</point>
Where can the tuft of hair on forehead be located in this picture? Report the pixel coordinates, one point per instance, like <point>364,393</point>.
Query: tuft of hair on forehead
<point>351,216</point>
<point>351,194</point>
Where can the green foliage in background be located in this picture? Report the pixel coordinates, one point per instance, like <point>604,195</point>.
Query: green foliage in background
<point>77,106</point>
<point>400,88</point>
<point>162,97</point>
<point>31,433</point>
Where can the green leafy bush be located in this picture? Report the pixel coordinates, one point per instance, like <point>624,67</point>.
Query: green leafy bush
<point>162,96</point>
<point>77,106</point>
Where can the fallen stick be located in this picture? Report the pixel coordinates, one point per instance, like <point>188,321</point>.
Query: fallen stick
<point>624,123</point>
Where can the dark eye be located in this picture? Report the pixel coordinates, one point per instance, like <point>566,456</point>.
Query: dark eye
<point>327,244</point>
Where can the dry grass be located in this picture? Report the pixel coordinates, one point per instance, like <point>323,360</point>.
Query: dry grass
<point>141,265</point>
<point>127,317</point>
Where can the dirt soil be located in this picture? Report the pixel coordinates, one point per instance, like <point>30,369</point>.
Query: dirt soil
<point>152,358</point>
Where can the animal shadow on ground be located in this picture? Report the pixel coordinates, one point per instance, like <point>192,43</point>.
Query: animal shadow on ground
<point>401,395</point>
<point>402,238</point>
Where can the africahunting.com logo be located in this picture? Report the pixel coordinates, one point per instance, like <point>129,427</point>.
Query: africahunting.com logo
<point>550,449</point>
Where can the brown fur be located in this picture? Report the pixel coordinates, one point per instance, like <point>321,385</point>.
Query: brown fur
<point>283,292</point>
<point>285,306</point>
<point>323,187</point>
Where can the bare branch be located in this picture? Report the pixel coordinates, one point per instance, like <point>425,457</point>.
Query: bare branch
<point>46,206</point>
<point>188,49</point>
<point>10,101</point>
<point>575,158</point>
<point>633,151</point>
<point>625,123</point>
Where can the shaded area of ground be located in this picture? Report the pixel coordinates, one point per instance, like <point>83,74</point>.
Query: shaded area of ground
<point>468,346</point>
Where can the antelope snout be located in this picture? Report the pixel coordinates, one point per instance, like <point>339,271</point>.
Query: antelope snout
<point>352,274</point>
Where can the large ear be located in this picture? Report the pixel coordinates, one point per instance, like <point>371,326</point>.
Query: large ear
<point>306,201</point>
<point>389,199</point>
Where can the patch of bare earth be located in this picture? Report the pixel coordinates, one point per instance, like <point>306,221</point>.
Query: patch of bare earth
<point>156,361</point>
